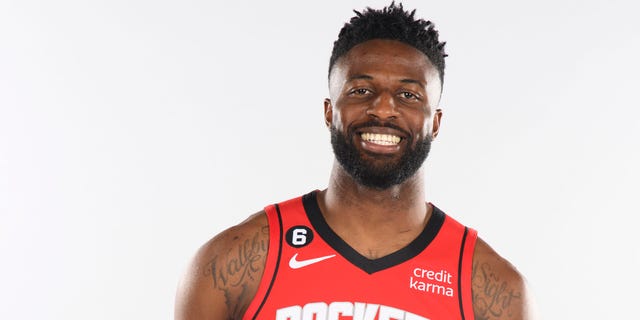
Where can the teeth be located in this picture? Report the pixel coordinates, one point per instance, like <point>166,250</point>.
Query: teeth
<point>382,139</point>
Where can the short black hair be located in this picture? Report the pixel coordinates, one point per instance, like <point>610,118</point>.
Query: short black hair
<point>393,23</point>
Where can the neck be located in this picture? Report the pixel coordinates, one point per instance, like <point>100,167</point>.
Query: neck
<point>343,190</point>
<point>371,214</point>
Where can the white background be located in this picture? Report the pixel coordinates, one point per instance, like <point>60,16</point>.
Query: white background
<point>133,131</point>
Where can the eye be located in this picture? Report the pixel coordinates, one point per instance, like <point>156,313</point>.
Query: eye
<point>360,91</point>
<point>409,96</point>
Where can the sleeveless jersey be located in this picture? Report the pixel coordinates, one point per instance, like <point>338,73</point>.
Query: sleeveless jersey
<point>312,274</point>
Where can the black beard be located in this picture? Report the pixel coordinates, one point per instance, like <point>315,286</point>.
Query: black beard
<point>366,172</point>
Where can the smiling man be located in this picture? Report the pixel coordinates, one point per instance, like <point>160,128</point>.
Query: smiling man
<point>368,246</point>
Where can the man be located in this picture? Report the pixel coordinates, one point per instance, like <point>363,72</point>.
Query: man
<point>368,246</point>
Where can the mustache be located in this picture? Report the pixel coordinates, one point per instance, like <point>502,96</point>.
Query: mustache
<point>376,123</point>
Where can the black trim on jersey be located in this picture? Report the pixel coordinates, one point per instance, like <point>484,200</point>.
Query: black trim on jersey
<point>367,265</point>
<point>275,271</point>
<point>464,239</point>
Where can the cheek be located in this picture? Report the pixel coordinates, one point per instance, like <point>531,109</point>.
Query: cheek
<point>344,117</point>
<point>336,120</point>
<point>426,127</point>
<point>420,123</point>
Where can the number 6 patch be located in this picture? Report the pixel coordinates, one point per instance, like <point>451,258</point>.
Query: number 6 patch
<point>299,236</point>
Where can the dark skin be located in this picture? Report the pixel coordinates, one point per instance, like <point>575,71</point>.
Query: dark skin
<point>389,81</point>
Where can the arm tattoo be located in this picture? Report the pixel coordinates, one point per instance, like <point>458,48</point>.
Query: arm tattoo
<point>492,298</point>
<point>242,264</point>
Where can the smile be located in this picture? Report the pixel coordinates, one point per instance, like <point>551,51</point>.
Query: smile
<point>381,139</point>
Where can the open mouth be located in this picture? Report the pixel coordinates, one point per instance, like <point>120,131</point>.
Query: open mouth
<point>381,139</point>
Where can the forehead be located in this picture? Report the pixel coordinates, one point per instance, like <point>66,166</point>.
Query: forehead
<point>389,56</point>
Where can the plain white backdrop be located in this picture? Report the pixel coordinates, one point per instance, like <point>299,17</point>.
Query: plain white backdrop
<point>133,131</point>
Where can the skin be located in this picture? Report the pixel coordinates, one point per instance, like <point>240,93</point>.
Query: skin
<point>391,82</point>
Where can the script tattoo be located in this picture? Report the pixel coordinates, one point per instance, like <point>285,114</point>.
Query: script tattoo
<point>243,263</point>
<point>492,298</point>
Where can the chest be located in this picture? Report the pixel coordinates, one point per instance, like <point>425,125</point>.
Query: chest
<point>312,273</point>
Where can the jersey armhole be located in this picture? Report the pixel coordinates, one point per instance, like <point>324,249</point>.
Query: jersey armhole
<point>270,272</point>
<point>466,270</point>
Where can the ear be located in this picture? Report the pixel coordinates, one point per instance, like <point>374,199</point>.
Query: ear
<point>435,126</point>
<point>328,112</point>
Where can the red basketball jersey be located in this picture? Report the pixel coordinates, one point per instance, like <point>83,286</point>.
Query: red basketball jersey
<point>312,274</point>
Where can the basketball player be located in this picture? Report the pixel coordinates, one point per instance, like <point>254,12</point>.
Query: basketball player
<point>368,246</point>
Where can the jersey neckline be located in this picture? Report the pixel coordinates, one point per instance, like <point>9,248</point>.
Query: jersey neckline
<point>370,266</point>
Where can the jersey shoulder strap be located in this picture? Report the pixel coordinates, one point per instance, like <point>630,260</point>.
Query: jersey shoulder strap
<point>274,253</point>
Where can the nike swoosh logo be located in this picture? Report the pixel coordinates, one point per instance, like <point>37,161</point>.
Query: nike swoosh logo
<point>294,263</point>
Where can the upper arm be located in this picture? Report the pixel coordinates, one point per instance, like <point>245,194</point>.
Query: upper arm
<point>499,290</point>
<point>223,277</point>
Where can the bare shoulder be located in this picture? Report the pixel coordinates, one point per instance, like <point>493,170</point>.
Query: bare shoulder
<point>499,290</point>
<point>224,274</point>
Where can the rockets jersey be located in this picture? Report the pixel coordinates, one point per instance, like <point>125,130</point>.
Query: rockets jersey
<point>312,274</point>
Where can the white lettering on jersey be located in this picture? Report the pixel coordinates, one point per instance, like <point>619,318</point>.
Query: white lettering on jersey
<point>442,276</point>
<point>292,312</point>
<point>338,309</point>
<point>430,287</point>
<point>314,310</point>
<point>435,282</point>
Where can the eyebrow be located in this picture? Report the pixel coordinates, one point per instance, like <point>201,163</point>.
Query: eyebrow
<point>361,76</point>
<point>368,77</point>
<point>418,82</point>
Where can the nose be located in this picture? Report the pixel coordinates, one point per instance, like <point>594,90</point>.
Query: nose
<point>383,107</point>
